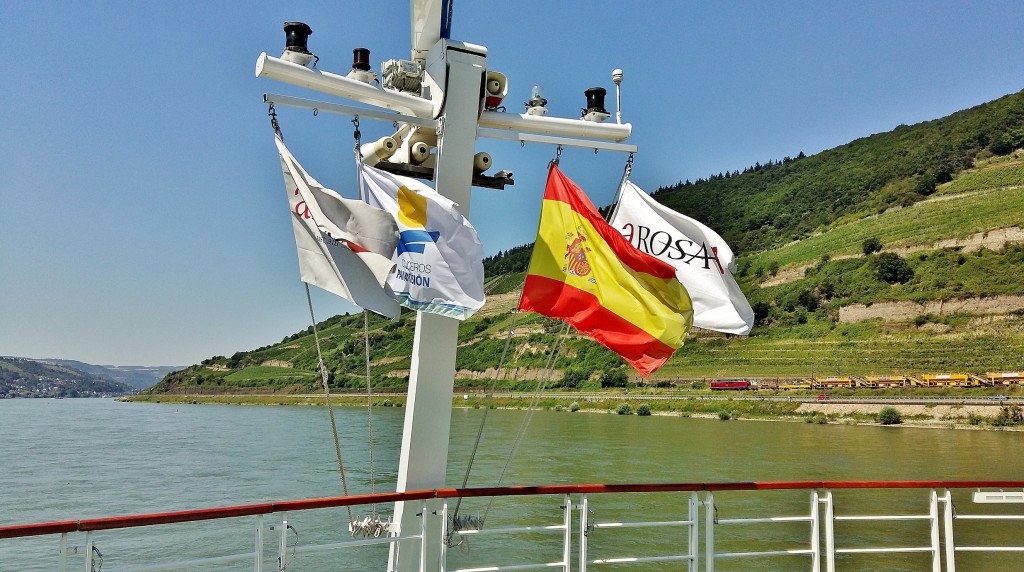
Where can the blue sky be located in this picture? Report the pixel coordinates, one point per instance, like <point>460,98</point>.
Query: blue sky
<point>142,209</point>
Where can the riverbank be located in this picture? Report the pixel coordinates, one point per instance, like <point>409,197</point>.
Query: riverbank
<point>992,416</point>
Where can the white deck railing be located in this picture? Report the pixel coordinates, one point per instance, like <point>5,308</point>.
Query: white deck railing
<point>576,505</point>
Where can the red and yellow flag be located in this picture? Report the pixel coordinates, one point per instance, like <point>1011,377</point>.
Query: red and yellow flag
<point>585,272</point>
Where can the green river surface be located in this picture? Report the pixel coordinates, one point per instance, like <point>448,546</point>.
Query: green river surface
<point>72,459</point>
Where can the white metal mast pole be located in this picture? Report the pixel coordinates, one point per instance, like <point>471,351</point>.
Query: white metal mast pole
<point>424,454</point>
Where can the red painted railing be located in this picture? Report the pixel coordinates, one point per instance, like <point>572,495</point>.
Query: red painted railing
<point>109,523</point>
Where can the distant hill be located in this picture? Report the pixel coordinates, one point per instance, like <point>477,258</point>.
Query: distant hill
<point>898,252</point>
<point>137,376</point>
<point>22,377</point>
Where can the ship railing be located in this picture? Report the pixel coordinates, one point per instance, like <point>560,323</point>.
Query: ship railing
<point>684,500</point>
<point>690,524</point>
<point>564,528</point>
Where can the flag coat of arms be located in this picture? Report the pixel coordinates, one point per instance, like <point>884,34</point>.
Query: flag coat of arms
<point>584,271</point>
<point>439,259</point>
<point>344,245</point>
<point>703,261</point>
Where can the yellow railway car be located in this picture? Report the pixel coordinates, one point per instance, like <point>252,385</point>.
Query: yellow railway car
<point>882,381</point>
<point>831,382</point>
<point>1005,377</point>
<point>945,379</point>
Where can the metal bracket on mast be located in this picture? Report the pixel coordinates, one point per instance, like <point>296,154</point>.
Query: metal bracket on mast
<point>552,140</point>
<point>350,110</point>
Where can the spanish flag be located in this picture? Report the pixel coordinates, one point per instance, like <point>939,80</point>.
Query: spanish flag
<point>585,272</point>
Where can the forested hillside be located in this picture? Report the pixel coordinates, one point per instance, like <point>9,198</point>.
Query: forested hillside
<point>898,252</point>
<point>20,377</point>
<point>766,206</point>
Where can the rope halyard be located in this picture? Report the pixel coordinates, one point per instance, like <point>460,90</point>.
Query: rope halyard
<point>372,525</point>
<point>530,410</point>
<point>460,522</point>
<point>369,407</point>
<point>626,172</point>
<point>327,398</point>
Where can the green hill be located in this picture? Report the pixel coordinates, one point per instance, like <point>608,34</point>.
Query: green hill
<point>22,377</point>
<point>898,252</point>
<point>767,206</point>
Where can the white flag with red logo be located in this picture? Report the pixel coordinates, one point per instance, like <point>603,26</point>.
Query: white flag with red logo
<point>704,263</point>
<point>344,245</point>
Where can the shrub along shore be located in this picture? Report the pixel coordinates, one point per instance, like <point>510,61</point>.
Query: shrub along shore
<point>973,414</point>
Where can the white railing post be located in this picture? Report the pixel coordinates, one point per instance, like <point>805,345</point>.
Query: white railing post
<point>584,512</point>
<point>830,532</point>
<point>815,534</point>
<point>62,557</point>
<point>693,536</point>
<point>947,517</point>
<point>567,534</point>
<point>709,532</point>
<point>423,537</point>
<point>88,551</point>
<point>443,559</point>
<point>933,517</point>
<point>258,559</point>
<point>282,547</point>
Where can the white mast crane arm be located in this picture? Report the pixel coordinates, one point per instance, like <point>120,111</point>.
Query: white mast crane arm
<point>268,66</point>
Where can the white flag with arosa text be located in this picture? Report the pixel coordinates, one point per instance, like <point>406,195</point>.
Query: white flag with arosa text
<point>439,260</point>
<point>344,245</point>
<point>704,263</point>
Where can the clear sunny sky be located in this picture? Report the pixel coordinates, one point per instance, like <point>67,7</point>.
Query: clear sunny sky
<point>143,216</point>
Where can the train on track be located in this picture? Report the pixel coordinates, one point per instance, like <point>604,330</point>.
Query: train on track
<point>988,379</point>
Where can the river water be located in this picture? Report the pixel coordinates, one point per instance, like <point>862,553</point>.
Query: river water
<point>85,458</point>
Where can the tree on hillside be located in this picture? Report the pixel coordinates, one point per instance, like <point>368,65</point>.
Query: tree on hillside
<point>893,269</point>
<point>574,378</point>
<point>1007,142</point>
<point>871,244</point>
<point>614,378</point>
<point>761,310</point>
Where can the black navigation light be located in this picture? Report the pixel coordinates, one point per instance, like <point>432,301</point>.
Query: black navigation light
<point>595,110</point>
<point>361,66</point>
<point>595,99</point>
<point>296,36</point>
<point>361,59</point>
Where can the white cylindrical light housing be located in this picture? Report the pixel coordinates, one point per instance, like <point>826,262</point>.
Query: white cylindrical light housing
<point>481,162</point>
<point>379,150</point>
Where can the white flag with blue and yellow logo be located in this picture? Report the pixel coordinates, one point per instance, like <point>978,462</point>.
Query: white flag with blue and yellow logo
<point>439,260</point>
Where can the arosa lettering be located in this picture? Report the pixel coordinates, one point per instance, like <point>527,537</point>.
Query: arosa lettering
<point>301,209</point>
<point>662,244</point>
